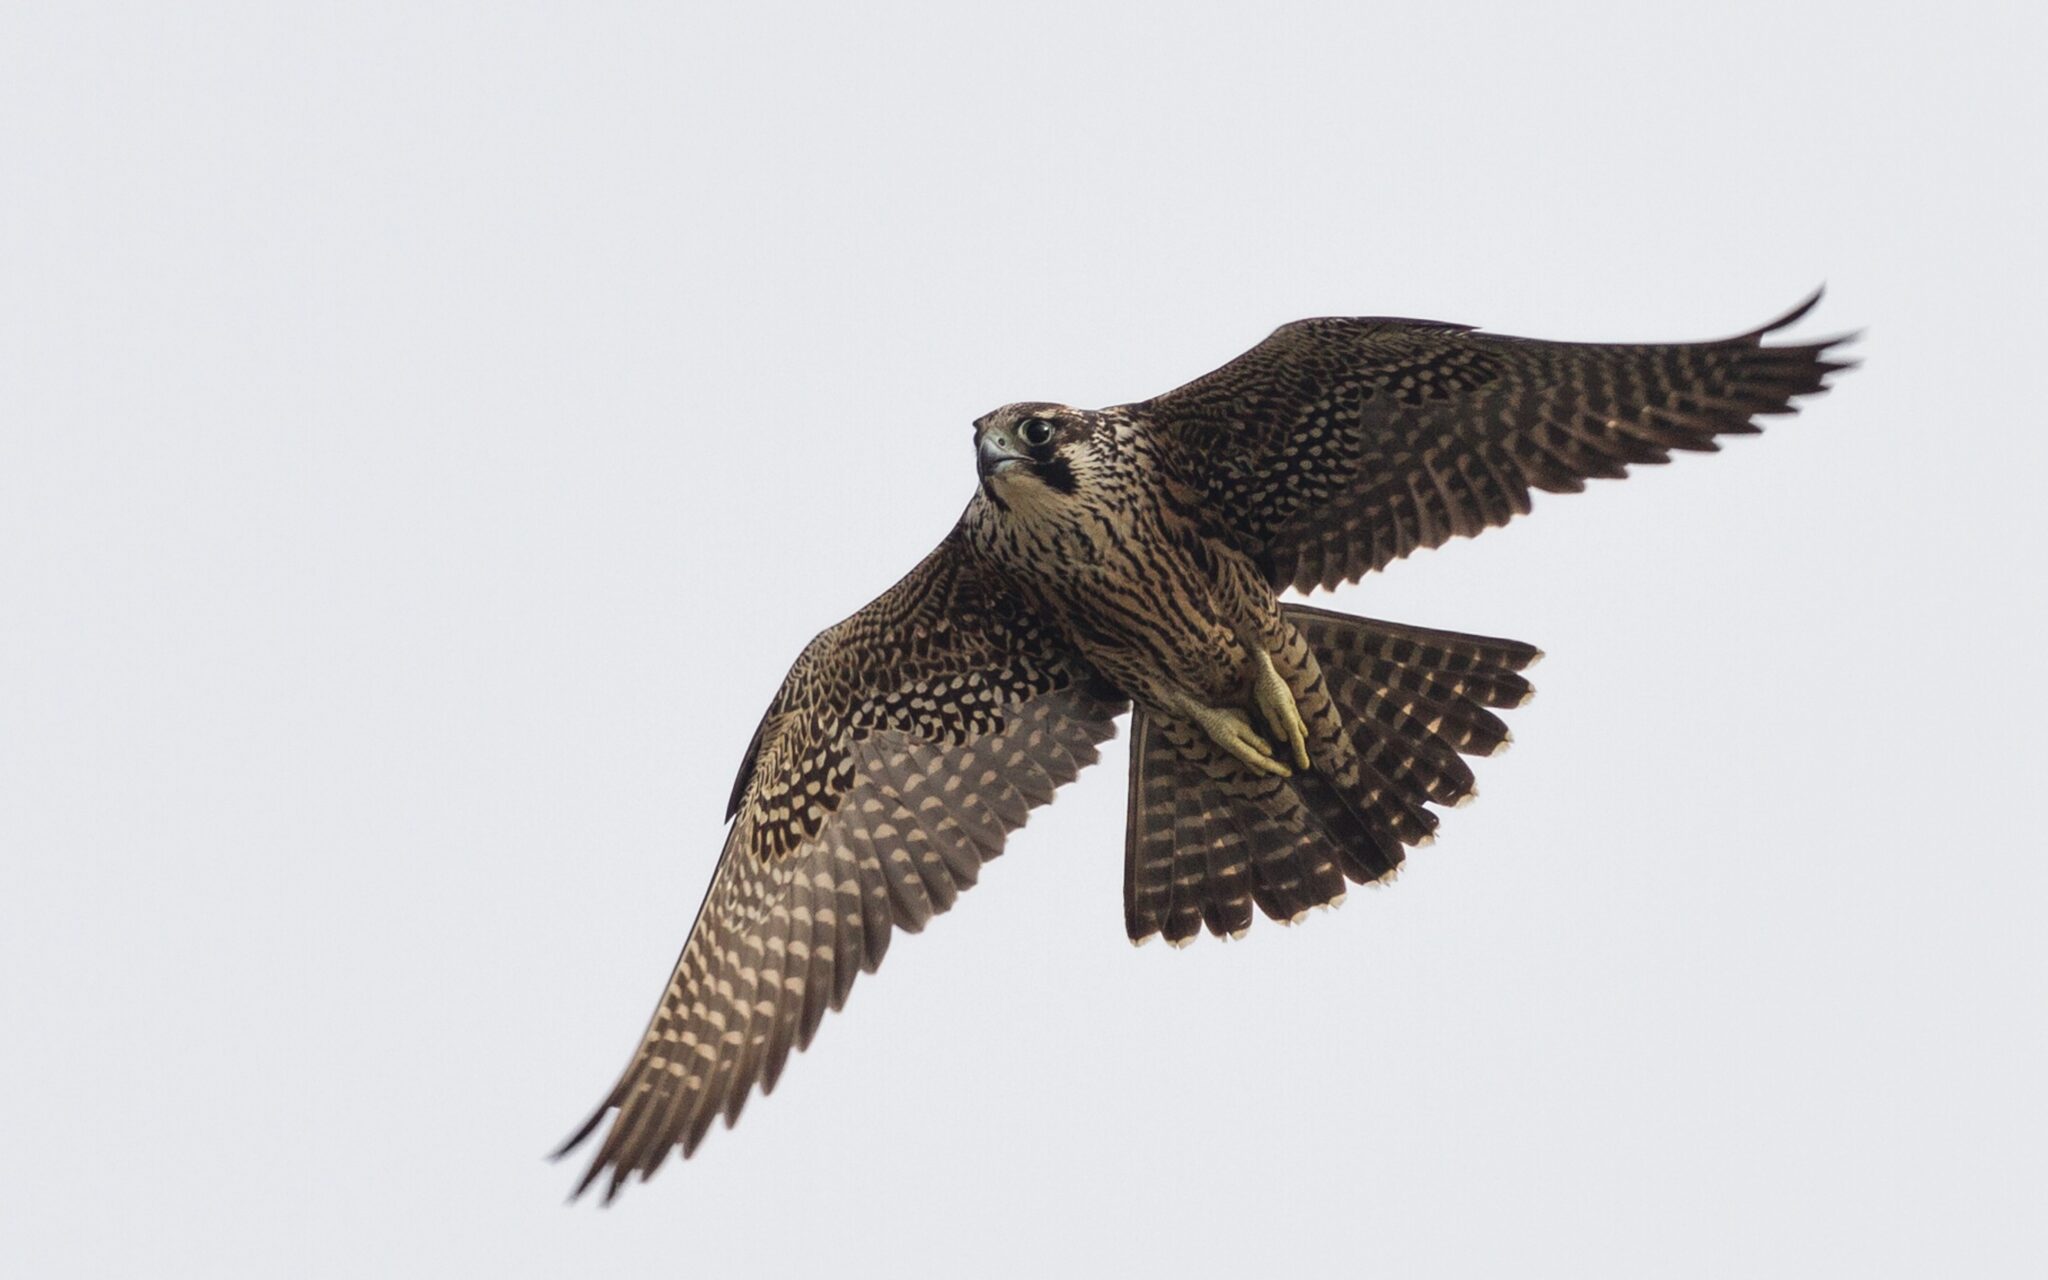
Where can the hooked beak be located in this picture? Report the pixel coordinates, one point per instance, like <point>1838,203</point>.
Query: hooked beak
<point>995,451</point>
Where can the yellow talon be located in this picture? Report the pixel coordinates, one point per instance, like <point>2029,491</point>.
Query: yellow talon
<point>1233,731</point>
<point>1276,705</point>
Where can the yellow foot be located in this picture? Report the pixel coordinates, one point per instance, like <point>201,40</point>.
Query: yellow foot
<point>1276,706</point>
<point>1233,732</point>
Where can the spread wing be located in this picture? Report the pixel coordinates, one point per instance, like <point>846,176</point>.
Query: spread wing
<point>905,744</point>
<point>1338,445</point>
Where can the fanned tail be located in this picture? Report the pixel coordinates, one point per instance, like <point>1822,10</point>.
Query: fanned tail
<point>1392,710</point>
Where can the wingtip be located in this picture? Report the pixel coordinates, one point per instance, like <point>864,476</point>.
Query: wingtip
<point>582,1134</point>
<point>1790,318</point>
<point>1834,361</point>
<point>1799,312</point>
<point>589,1178</point>
<point>597,1165</point>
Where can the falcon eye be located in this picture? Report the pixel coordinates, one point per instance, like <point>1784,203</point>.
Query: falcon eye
<point>1037,432</point>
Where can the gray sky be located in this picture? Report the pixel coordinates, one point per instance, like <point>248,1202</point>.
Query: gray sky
<point>426,439</point>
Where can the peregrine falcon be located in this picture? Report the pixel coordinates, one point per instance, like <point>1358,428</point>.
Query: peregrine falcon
<point>1132,559</point>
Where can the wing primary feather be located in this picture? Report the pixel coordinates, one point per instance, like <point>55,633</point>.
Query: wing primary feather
<point>1339,445</point>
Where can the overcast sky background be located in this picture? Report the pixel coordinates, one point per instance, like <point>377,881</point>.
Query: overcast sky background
<point>427,434</point>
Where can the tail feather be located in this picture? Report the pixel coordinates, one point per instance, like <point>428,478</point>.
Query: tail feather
<point>1461,725</point>
<point>1223,893</point>
<point>1367,850</point>
<point>1338,635</point>
<point>1151,841</point>
<point>1428,767</point>
<point>1268,853</point>
<point>1204,844</point>
<point>1376,799</point>
<point>1187,854</point>
<point>1392,709</point>
<point>1498,688</point>
<point>1294,862</point>
<point>1399,747</point>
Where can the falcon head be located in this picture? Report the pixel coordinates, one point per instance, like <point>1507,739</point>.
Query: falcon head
<point>1034,452</point>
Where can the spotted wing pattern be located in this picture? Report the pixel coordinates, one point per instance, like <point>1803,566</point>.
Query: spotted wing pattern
<point>1339,445</point>
<point>905,744</point>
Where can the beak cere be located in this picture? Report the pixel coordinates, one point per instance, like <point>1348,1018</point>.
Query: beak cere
<point>992,451</point>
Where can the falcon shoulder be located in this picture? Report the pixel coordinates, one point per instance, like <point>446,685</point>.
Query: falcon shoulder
<point>1339,445</point>
<point>903,747</point>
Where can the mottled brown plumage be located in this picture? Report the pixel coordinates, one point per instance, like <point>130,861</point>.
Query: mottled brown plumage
<point>1130,558</point>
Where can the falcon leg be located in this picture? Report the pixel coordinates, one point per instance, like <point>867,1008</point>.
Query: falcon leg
<point>1275,702</point>
<point>1232,730</point>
